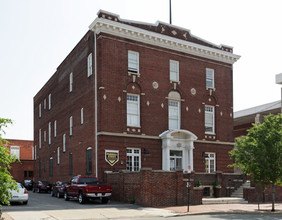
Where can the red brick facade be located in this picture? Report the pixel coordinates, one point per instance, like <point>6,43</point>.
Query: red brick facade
<point>24,169</point>
<point>153,86</point>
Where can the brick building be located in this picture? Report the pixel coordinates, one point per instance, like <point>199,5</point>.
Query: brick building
<point>244,119</point>
<point>23,150</point>
<point>132,95</point>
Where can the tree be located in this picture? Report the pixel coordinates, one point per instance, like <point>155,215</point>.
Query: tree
<point>6,180</point>
<point>259,153</point>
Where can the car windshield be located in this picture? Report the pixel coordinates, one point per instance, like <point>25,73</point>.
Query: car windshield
<point>45,182</point>
<point>27,181</point>
<point>88,180</point>
<point>20,186</point>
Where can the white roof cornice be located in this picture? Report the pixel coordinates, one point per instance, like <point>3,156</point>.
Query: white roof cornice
<point>157,39</point>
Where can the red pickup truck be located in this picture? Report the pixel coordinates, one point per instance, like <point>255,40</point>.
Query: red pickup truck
<point>87,187</point>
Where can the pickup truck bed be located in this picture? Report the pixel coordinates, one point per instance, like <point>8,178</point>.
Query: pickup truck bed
<point>87,187</point>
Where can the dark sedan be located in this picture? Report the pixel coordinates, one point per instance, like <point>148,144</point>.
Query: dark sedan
<point>42,186</point>
<point>58,189</point>
<point>28,184</point>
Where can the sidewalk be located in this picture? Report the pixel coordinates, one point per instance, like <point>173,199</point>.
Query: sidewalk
<point>226,208</point>
<point>135,211</point>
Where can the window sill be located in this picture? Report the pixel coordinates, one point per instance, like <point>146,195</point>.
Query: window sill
<point>133,73</point>
<point>210,88</point>
<point>172,81</point>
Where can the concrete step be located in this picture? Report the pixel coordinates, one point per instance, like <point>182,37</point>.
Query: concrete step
<point>224,200</point>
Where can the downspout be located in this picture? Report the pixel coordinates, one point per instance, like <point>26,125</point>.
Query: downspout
<point>96,113</point>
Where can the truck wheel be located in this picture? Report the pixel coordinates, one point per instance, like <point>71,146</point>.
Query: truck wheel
<point>66,197</point>
<point>105,200</point>
<point>81,198</point>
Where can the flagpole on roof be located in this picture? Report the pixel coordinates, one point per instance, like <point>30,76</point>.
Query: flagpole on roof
<point>169,11</point>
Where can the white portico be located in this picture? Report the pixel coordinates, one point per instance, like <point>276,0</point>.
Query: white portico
<point>177,149</point>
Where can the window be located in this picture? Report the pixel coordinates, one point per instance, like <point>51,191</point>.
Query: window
<point>49,98</point>
<point>133,110</point>
<point>89,160</point>
<point>89,65</point>
<point>45,136</point>
<point>71,81</point>
<point>174,70</point>
<point>133,62</point>
<point>49,133</point>
<point>58,155</point>
<point>70,163</point>
<point>15,151</point>
<point>210,162</point>
<point>175,160</point>
<point>209,78</point>
<point>71,125</point>
<point>44,103</point>
<point>39,110</point>
<point>39,139</point>
<point>55,128</point>
<point>64,143</point>
<point>51,166</point>
<point>81,116</point>
<point>173,114</point>
<point>133,159</point>
<point>209,119</point>
<point>28,173</point>
<point>174,110</point>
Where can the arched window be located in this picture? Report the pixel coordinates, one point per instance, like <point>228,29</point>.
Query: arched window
<point>174,110</point>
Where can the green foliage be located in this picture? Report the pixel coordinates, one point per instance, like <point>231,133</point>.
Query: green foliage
<point>260,152</point>
<point>6,180</point>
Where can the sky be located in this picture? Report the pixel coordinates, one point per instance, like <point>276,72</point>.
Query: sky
<point>36,36</point>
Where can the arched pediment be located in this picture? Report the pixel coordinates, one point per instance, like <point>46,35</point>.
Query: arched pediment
<point>178,134</point>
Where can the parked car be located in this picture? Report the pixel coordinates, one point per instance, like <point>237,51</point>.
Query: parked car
<point>28,184</point>
<point>58,189</point>
<point>87,187</point>
<point>21,195</point>
<point>42,186</point>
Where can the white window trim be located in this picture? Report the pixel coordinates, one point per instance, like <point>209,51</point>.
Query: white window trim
<point>89,65</point>
<point>49,133</point>
<point>39,139</point>
<point>134,155</point>
<point>71,81</point>
<point>131,70</point>
<point>49,102</point>
<point>209,159</point>
<point>212,70</point>
<point>18,153</point>
<point>39,111</point>
<point>177,70</point>
<point>213,121</point>
<point>55,128</point>
<point>137,113</point>
<point>71,125</point>
<point>64,142</point>
<point>81,116</point>
<point>178,112</point>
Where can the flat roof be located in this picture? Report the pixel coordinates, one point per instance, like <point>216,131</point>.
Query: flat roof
<point>248,115</point>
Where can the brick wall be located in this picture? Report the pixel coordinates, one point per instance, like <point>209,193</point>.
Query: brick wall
<point>153,188</point>
<point>22,170</point>
<point>255,194</point>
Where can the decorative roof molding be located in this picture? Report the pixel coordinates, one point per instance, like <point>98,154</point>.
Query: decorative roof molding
<point>141,35</point>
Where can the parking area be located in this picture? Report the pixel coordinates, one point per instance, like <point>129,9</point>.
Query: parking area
<point>44,206</point>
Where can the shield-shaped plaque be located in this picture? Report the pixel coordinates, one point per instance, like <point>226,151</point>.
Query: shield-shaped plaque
<point>112,156</point>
